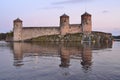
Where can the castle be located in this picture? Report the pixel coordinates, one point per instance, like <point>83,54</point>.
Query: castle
<point>23,33</point>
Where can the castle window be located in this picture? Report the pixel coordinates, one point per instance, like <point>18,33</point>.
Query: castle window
<point>65,20</point>
<point>16,25</point>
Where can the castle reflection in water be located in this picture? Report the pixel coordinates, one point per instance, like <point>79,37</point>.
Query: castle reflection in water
<point>66,51</point>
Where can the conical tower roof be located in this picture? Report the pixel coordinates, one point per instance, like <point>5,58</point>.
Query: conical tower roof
<point>17,20</point>
<point>64,15</point>
<point>86,14</point>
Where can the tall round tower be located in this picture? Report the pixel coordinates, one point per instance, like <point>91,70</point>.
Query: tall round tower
<point>86,23</point>
<point>64,24</point>
<point>17,30</point>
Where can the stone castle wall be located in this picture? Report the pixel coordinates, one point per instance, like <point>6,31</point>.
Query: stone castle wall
<point>75,28</point>
<point>32,32</point>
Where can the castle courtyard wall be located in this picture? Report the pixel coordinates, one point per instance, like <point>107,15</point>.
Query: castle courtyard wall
<point>33,32</point>
<point>75,28</point>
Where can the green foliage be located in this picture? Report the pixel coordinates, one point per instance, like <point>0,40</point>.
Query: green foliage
<point>116,37</point>
<point>67,37</point>
<point>2,36</point>
<point>77,37</point>
<point>8,35</point>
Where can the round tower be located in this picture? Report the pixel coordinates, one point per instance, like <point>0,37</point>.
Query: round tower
<point>64,24</point>
<point>86,23</point>
<point>17,30</point>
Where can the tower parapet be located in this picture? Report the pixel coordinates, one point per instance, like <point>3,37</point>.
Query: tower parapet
<point>17,30</point>
<point>86,23</point>
<point>64,24</point>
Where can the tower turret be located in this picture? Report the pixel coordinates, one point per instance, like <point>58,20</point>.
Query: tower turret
<point>86,23</point>
<point>64,24</point>
<point>17,30</point>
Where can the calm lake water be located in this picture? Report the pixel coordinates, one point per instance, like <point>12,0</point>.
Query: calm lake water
<point>59,61</point>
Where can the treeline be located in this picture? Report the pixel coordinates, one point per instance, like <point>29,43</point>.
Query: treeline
<point>6,36</point>
<point>2,36</point>
<point>116,37</point>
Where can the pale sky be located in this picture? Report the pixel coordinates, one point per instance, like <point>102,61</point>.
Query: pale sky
<point>105,13</point>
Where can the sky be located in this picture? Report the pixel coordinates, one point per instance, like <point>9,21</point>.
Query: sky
<point>105,13</point>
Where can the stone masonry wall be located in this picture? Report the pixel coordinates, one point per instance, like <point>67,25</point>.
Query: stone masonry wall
<point>32,32</point>
<point>75,28</point>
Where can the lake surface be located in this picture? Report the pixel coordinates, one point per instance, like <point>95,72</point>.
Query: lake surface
<point>59,61</point>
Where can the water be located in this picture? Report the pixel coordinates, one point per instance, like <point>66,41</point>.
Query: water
<point>59,61</point>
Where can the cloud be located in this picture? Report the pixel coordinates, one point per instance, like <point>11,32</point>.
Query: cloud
<point>53,7</point>
<point>105,11</point>
<point>71,1</point>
